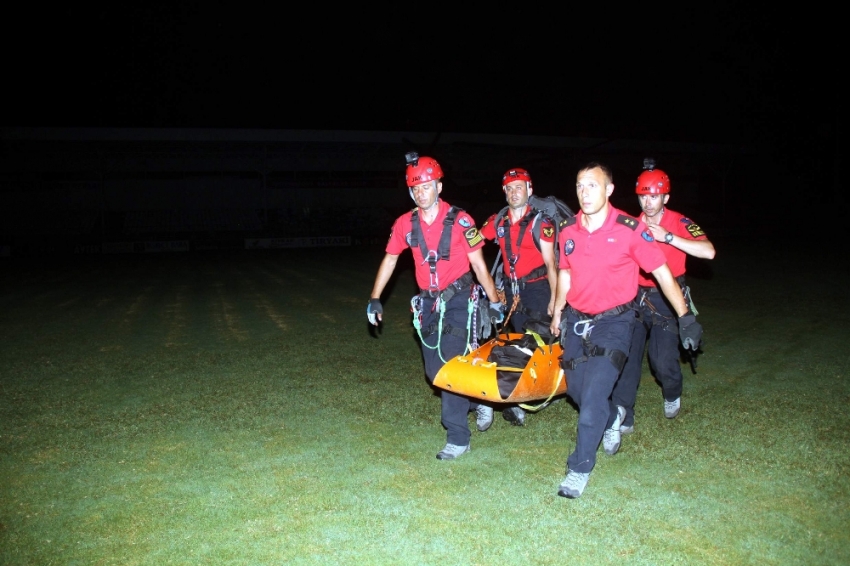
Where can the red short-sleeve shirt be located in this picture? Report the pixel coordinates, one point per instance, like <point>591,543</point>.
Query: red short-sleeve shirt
<point>604,264</point>
<point>465,239</point>
<point>530,257</point>
<point>681,226</point>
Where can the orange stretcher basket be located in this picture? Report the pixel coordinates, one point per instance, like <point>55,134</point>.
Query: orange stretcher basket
<point>472,375</point>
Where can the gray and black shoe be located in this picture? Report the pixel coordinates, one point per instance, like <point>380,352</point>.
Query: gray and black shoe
<point>611,436</point>
<point>483,417</point>
<point>514,415</point>
<point>671,408</point>
<point>452,451</point>
<point>573,485</point>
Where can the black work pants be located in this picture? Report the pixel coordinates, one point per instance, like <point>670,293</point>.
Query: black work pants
<point>533,298</point>
<point>591,382</point>
<point>438,347</point>
<point>657,335</point>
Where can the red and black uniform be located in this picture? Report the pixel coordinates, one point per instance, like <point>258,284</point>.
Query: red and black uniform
<point>520,252</point>
<point>451,281</point>
<point>659,321</point>
<point>597,324</point>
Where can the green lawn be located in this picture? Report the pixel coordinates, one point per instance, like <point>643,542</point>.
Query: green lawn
<point>234,408</point>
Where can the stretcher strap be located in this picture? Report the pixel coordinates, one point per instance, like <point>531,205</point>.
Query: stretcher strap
<point>549,399</point>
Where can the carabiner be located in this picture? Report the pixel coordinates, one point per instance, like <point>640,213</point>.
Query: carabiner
<point>588,327</point>
<point>514,284</point>
<point>431,258</point>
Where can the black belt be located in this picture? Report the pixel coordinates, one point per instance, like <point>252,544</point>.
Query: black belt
<point>459,284</point>
<point>680,280</point>
<point>619,309</point>
<point>534,274</point>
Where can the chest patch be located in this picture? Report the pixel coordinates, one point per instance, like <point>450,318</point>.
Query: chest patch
<point>500,232</point>
<point>569,247</point>
<point>647,236</point>
<point>406,237</point>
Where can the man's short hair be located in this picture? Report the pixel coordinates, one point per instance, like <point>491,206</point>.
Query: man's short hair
<point>595,165</point>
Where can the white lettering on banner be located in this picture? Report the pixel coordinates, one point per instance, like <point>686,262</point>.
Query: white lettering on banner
<point>306,242</point>
<point>136,247</point>
<point>87,249</point>
<point>118,247</point>
<point>169,246</point>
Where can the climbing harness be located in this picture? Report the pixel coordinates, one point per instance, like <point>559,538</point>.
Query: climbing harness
<point>517,283</point>
<point>442,297</point>
<point>443,250</point>
<point>583,328</point>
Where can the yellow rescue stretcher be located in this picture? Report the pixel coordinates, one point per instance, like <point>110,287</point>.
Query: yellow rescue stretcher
<point>474,376</point>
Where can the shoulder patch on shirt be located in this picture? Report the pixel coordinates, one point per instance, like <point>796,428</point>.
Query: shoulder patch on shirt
<point>567,222</point>
<point>627,221</point>
<point>694,230</point>
<point>473,237</point>
<point>464,221</point>
<point>548,231</point>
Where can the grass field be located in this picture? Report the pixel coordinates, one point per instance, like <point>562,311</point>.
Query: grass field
<point>234,408</point>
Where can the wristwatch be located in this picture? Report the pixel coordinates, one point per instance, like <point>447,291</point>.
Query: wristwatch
<point>668,239</point>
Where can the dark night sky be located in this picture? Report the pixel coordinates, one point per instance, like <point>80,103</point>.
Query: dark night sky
<point>712,74</point>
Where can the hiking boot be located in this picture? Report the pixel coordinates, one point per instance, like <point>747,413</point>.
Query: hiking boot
<point>611,436</point>
<point>573,485</point>
<point>483,417</point>
<point>514,415</point>
<point>671,408</point>
<point>451,451</point>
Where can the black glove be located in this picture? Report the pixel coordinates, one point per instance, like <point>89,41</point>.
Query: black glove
<point>373,310</point>
<point>690,332</point>
<point>496,311</point>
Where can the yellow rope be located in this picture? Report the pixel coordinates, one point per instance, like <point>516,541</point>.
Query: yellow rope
<point>546,402</point>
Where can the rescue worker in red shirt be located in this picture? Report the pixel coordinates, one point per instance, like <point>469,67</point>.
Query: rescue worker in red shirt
<point>530,274</point>
<point>678,237</point>
<point>602,249</point>
<point>445,243</point>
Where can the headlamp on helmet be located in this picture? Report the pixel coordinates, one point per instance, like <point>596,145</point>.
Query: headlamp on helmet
<point>517,174</point>
<point>421,169</point>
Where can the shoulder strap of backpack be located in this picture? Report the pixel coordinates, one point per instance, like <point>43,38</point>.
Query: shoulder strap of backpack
<point>535,228</point>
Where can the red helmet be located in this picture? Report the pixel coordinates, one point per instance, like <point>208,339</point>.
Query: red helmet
<point>516,175</point>
<point>422,170</point>
<point>653,182</point>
